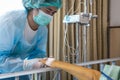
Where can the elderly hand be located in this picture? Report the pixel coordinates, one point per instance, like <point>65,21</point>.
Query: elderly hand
<point>32,64</point>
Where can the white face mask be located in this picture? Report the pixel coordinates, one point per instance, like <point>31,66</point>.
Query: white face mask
<point>42,19</point>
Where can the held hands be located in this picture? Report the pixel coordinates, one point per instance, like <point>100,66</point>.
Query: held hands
<point>37,63</point>
<point>33,64</point>
<point>47,61</point>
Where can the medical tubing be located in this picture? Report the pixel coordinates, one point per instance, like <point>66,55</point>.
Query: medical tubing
<point>108,77</point>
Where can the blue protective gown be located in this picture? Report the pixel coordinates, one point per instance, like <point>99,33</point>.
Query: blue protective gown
<point>13,47</point>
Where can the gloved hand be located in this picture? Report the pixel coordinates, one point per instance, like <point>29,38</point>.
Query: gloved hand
<point>47,61</point>
<point>32,64</point>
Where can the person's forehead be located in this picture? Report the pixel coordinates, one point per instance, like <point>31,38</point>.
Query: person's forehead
<point>52,8</point>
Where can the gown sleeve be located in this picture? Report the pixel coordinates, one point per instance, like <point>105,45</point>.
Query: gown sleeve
<point>7,42</point>
<point>8,64</point>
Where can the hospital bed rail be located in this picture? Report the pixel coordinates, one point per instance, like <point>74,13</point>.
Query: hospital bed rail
<point>43,70</point>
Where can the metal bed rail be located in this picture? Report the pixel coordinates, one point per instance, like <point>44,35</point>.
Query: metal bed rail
<point>43,70</point>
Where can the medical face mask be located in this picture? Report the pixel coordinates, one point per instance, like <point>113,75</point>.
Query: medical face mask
<point>42,19</point>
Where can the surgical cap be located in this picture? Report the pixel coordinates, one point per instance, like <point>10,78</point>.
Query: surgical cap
<point>30,4</point>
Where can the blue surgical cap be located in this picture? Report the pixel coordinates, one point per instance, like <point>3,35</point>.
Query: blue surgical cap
<point>30,4</point>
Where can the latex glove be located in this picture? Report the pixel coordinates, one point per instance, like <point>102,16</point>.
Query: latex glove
<point>32,64</point>
<point>47,61</point>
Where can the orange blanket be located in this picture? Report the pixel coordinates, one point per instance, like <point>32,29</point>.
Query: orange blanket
<point>79,72</point>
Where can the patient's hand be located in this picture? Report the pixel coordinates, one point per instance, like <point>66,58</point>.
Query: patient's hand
<point>82,73</point>
<point>47,61</point>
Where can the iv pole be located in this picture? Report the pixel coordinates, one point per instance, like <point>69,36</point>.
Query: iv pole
<point>81,20</point>
<point>84,35</point>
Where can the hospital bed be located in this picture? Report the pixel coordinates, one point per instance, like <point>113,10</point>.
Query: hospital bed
<point>102,62</point>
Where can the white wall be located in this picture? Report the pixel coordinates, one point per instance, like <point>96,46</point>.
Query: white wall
<point>8,5</point>
<point>114,12</point>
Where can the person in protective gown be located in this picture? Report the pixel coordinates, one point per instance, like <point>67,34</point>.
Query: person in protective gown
<point>23,36</point>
